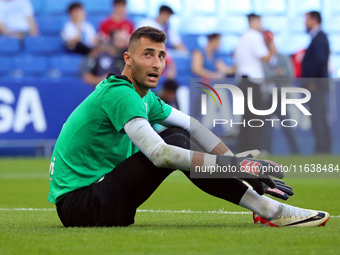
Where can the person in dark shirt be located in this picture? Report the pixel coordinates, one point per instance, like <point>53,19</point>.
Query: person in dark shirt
<point>107,59</point>
<point>315,79</point>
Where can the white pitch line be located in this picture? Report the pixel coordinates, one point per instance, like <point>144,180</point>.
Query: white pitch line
<point>147,211</point>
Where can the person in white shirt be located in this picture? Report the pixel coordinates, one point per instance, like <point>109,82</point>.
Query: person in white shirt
<point>251,50</point>
<point>78,35</point>
<point>17,18</point>
<point>249,55</point>
<point>161,22</point>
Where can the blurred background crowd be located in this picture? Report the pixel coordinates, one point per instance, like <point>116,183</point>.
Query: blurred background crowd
<point>82,41</point>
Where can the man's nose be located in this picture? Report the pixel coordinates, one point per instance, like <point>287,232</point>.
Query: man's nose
<point>157,63</point>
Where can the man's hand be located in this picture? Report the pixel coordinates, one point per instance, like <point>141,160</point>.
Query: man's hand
<point>253,171</point>
<point>281,190</point>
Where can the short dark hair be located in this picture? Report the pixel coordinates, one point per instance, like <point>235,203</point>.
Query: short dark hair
<point>213,36</point>
<point>151,33</point>
<point>251,16</point>
<point>74,6</point>
<point>315,15</point>
<point>119,2</point>
<point>167,9</point>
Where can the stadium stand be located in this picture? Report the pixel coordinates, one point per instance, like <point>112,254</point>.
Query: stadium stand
<point>331,24</point>
<point>334,41</point>
<point>98,7</point>
<point>285,18</point>
<point>233,24</point>
<point>273,7</point>
<point>276,24</point>
<point>137,7</point>
<point>9,46</point>
<point>5,63</point>
<point>298,8</point>
<point>29,65</point>
<point>52,7</point>
<point>231,7</point>
<point>66,65</point>
<point>48,45</point>
<point>51,25</point>
<point>228,44</point>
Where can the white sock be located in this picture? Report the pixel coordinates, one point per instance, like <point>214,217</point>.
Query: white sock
<point>261,205</point>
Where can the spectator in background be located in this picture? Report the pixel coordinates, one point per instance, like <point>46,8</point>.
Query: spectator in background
<point>17,18</point>
<point>161,22</point>
<point>250,52</point>
<point>315,74</point>
<point>205,62</point>
<point>78,35</point>
<point>168,93</point>
<point>278,73</point>
<point>107,59</point>
<point>116,21</point>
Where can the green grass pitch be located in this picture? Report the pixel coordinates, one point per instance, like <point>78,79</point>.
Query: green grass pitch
<point>24,184</point>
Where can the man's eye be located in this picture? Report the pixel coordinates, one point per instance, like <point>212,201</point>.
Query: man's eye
<point>147,54</point>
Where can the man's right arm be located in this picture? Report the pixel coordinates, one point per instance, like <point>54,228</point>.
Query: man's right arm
<point>164,155</point>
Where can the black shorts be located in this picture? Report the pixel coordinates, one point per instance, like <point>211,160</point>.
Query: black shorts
<point>100,204</point>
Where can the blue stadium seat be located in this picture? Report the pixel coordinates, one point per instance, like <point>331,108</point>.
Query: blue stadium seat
<point>43,45</point>
<point>183,65</point>
<point>331,25</point>
<point>137,7</point>
<point>297,24</point>
<point>97,7</point>
<point>334,43</point>
<point>56,7</point>
<point>5,63</point>
<point>232,7</point>
<point>190,41</point>
<point>51,25</point>
<point>199,25</point>
<point>9,45</point>
<point>292,43</point>
<point>233,24</point>
<point>297,8</point>
<point>272,7</point>
<point>276,24</point>
<point>66,65</point>
<point>29,65</point>
<point>228,44</point>
<point>37,6</point>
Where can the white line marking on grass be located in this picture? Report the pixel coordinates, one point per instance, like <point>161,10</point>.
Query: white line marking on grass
<point>189,211</point>
<point>147,211</point>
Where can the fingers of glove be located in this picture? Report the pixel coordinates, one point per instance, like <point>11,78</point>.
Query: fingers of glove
<point>284,186</point>
<point>285,189</point>
<point>268,181</point>
<point>248,154</point>
<point>279,182</point>
<point>256,184</point>
<point>275,193</point>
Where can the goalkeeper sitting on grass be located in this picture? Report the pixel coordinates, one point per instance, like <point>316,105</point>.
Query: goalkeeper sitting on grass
<point>108,160</point>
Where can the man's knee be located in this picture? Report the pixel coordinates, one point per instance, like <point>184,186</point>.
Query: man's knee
<point>176,136</point>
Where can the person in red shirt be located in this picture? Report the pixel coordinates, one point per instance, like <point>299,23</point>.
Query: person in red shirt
<point>116,21</point>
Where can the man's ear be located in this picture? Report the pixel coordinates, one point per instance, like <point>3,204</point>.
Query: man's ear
<point>127,58</point>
